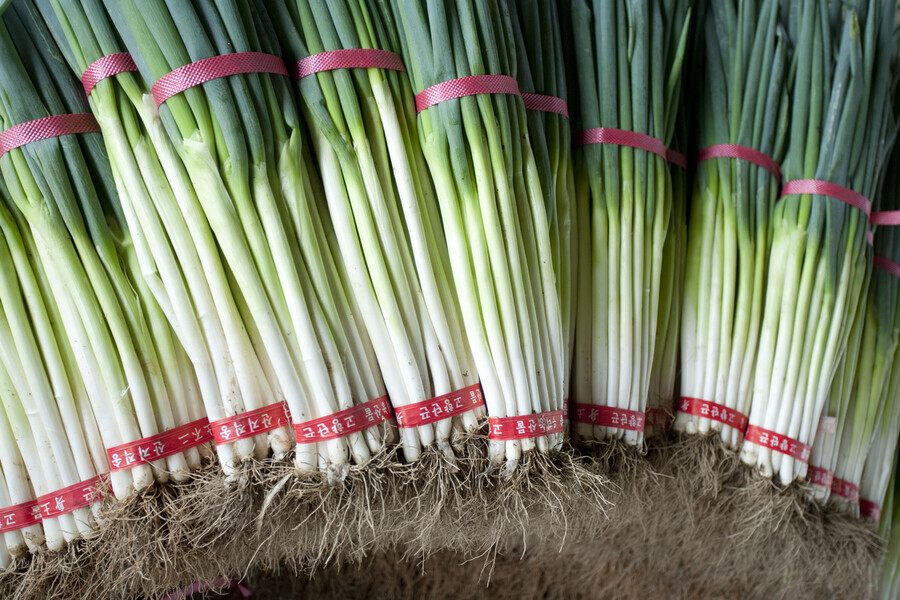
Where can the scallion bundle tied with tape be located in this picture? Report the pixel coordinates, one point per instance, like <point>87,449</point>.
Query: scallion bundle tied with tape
<point>841,120</point>
<point>629,94</point>
<point>355,95</point>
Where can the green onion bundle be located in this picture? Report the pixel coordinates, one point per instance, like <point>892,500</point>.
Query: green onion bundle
<point>743,103</point>
<point>381,202</point>
<point>889,583</point>
<point>494,214</point>
<point>628,57</point>
<point>842,77</point>
<point>240,141</point>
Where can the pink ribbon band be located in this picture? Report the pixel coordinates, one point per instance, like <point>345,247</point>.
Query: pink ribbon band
<point>46,128</point>
<point>870,237</point>
<point>350,58</point>
<point>673,157</point>
<point>218,583</point>
<point>71,498</point>
<point>466,86</point>
<point>819,476</point>
<point>777,442</point>
<point>885,217</point>
<point>714,411</point>
<point>526,426</point>
<point>607,416</point>
<point>658,417</point>
<point>826,188</point>
<point>249,424</point>
<point>741,153</point>
<point>845,489</point>
<point>104,67</point>
<point>870,510</point>
<point>346,422</point>
<point>545,103</point>
<point>160,445</point>
<point>886,264</point>
<point>439,408</point>
<point>20,516</point>
<point>621,137</point>
<point>214,67</point>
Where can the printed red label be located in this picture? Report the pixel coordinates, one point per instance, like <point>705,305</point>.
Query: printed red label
<point>161,445</point>
<point>606,416</point>
<point>869,509</point>
<point>658,417</point>
<point>343,423</point>
<point>71,498</point>
<point>565,409</point>
<point>777,442</point>
<point>440,407</point>
<point>820,476</point>
<point>249,424</point>
<point>714,411</point>
<point>527,426</point>
<point>19,516</point>
<point>845,489</point>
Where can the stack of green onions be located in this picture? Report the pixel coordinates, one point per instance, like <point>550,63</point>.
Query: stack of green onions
<point>542,71</point>
<point>629,58</point>
<point>240,141</point>
<point>63,189</point>
<point>889,530</point>
<point>842,77</point>
<point>494,214</point>
<point>381,202</point>
<point>743,102</point>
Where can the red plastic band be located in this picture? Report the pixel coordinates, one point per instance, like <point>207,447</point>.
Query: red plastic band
<point>777,442</point>
<point>870,510</point>
<point>714,411</point>
<point>340,424</point>
<point>742,153</point>
<point>885,217</point>
<point>71,498</point>
<point>657,417</point>
<point>820,476</point>
<point>466,86</point>
<point>565,409</point>
<point>109,65</point>
<point>621,137</point>
<point>440,407</point>
<point>214,67</point>
<point>351,58</point>
<point>886,264</point>
<point>826,188</point>
<point>46,128</point>
<point>845,489</point>
<point>527,426</point>
<point>607,416</point>
<point>249,424</point>
<point>161,445</point>
<point>870,237</point>
<point>19,516</point>
<point>545,103</point>
<point>673,157</point>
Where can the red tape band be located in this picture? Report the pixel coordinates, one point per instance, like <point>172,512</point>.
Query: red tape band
<point>20,516</point>
<point>673,157</point>
<point>658,417</point>
<point>777,442</point>
<point>439,408</point>
<point>845,489</point>
<point>71,498</point>
<point>340,424</point>
<point>819,476</point>
<point>214,67</point>
<point>885,217</point>
<point>741,153</point>
<point>527,426</point>
<point>249,424</point>
<point>46,128</point>
<point>104,67</point>
<point>870,237</point>
<point>607,416</point>
<point>870,510</point>
<point>886,264</point>
<point>826,188</point>
<point>350,58</point>
<point>466,86</point>
<point>714,411</point>
<point>565,409</point>
<point>545,103</point>
<point>621,137</point>
<point>161,445</point>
